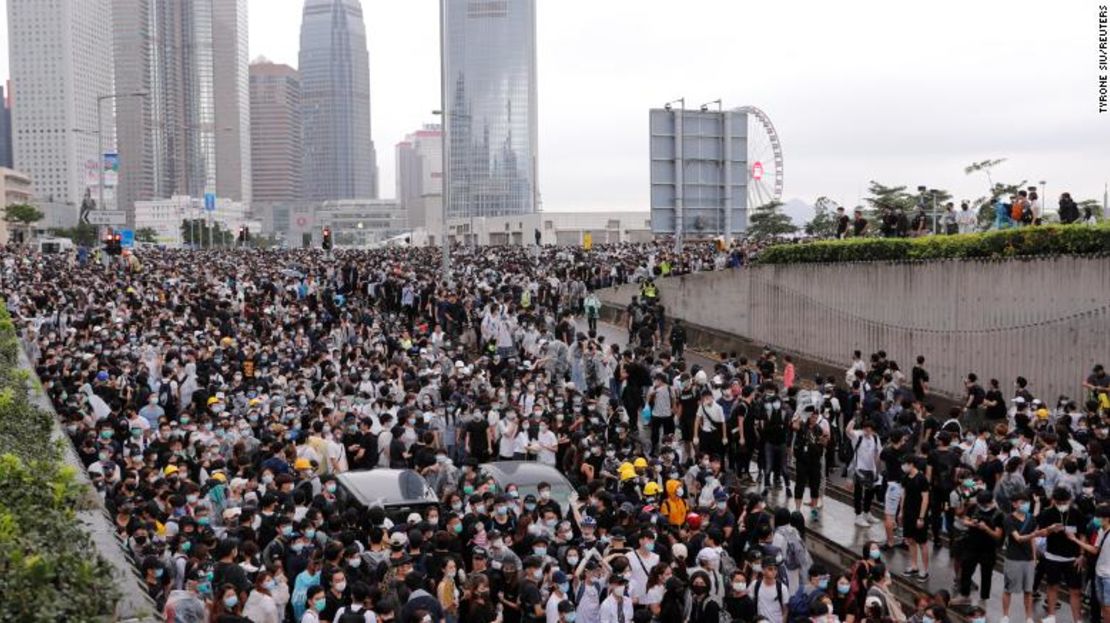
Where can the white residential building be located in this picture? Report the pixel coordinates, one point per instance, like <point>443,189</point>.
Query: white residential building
<point>60,62</point>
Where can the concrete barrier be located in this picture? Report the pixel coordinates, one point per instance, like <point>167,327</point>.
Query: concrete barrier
<point>135,605</point>
<point>1047,319</point>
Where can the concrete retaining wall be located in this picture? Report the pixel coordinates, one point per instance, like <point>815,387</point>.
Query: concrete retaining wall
<point>1047,318</point>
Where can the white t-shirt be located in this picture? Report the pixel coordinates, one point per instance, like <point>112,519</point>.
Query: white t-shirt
<point>641,567</point>
<point>768,604</point>
<point>1102,564</point>
<point>505,447</point>
<point>654,595</point>
<point>547,438</point>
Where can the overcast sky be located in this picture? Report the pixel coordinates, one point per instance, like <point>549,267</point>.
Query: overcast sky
<point>905,93</point>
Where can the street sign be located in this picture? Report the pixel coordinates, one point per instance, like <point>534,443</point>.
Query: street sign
<point>209,202</point>
<point>105,217</point>
<point>127,238</point>
<point>587,241</point>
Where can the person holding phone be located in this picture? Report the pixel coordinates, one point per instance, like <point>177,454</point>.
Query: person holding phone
<point>1062,521</point>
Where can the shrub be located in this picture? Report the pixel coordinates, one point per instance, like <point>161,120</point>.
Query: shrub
<point>1022,242</point>
<point>49,566</point>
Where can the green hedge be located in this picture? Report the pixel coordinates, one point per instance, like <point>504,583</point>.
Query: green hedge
<point>49,566</point>
<point>1023,242</point>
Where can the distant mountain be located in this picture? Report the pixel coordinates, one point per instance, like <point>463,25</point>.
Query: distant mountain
<point>798,210</point>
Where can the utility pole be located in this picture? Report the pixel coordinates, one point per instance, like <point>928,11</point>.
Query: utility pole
<point>446,259</point>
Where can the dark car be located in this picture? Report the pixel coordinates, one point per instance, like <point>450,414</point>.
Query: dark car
<point>527,476</point>
<point>398,491</point>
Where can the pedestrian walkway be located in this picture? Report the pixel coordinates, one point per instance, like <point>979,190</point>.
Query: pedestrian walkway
<point>836,523</point>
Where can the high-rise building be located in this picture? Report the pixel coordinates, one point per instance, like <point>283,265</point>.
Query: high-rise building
<point>59,66</point>
<point>275,132</point>
<point>420,174</point>
<point>489,93</point>
<point>5,129</point>
<point>190,134</point>
<point>339,158</point>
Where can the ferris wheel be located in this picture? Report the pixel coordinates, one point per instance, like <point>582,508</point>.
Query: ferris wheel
<point>764,159</point>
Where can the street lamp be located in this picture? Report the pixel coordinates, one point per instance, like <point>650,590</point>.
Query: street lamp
<point>100,99</point>
<point>680,164</point>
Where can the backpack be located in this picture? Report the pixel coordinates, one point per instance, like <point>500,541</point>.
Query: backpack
<point>350,616</point>
<point>778,592</point>
<point>1026,213</point>
<point>798,606</point>
<point>796,555</point>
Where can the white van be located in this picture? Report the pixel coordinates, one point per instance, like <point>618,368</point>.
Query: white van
<point>54,245</point>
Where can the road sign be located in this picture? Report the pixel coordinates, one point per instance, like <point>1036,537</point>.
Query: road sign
<point>127,238</point>
<point>105,217</point>
<point>210,202</point>
<point>587,241</point>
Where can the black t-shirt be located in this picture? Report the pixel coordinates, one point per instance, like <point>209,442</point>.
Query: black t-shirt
<point>858,225</point>
<point>977,394</point>
<point>1073,521</point>
<point>915,489</point>
<point>892,464</point>
<point>774,427</point>
<point>477,438</point>
<point>842,224</point>
<point>944,462</point>
<point>990,471</point>
<point>530,597</point>
<point>919,377</point>
<point>1016,550</point>
<point>998,410</point>
<point>980,540</point>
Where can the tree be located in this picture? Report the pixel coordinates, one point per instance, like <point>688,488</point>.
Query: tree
<point>1092,206</point>
<point>823,224</point>
<point>24,215</point>
<point>768,221</point>
<point>207,235</point>
<point>82,234</point>
<point>146,234</point>
<point>984,166</point>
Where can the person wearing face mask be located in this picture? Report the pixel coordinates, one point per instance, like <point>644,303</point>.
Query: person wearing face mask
<point>674,507</point>
<point>1098,549</point>
<point>261,606</point>
<point>1018,567</point>
<point>617,607</point>
<point>641,563</point>
<point>529,590</point>
<point>980,547</point>
<point>1062,521</point>
<point>738,600</point>
<point>802,603</point>
<point>560,594</point>
<point>880,591</point>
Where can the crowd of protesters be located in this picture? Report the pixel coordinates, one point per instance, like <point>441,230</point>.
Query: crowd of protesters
<point>1023,208</point>
<point>215,396</point>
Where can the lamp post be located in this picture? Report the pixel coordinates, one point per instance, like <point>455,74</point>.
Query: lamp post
<point>100,99</point>
<point>680,164</point>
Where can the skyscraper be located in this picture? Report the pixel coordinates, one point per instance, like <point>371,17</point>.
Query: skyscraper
<point>5,130</point>
<point>275,132</point>
<point>191,134</point>
<point>489,93</point>
<point>59,66</point>
<point>420,174</point>
<point>339,158</point>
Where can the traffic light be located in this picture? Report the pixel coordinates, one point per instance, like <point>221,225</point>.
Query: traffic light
<point>244,235</point>
<point>327,239</point>
<point>113,244</point>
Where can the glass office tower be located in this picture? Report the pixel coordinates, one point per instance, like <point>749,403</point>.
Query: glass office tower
<point>489,91</point>
<point>339,157</point>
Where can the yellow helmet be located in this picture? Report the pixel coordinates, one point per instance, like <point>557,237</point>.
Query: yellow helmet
<point>651,488</point>
<point>626,472</point>
<point>640,463</point>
